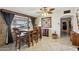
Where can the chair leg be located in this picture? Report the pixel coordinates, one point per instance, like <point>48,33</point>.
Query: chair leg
<point>32,42</point>
<point>19,45</point>
<point>29,42</point>
<point>37,38</point>
<point>40,36</point>
<point>16,44</point>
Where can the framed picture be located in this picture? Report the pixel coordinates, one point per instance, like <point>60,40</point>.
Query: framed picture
<point>46,22</point>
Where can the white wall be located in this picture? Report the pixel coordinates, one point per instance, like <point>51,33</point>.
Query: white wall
<point>58,14</point>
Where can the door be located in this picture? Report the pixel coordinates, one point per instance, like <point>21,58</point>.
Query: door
<point>66,26</point>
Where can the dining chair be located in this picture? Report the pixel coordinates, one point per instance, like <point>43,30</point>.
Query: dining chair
<point>39,33</point>
<point>21,38</point>
<point>35,35</point>
<point>17,36</point>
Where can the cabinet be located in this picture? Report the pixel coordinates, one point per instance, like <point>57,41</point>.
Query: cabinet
<point>45,32</point>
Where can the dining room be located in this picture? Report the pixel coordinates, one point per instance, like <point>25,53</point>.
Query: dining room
<point>19,29</point>
<point>35,29</point>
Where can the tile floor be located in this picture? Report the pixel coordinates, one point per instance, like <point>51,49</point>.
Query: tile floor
<point>46,44</point>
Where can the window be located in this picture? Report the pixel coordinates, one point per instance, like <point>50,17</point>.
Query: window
<point>21,22</point>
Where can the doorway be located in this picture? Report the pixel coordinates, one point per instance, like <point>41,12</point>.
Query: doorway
<point>66,26</point>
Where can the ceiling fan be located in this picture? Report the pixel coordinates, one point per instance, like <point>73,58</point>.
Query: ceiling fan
<point>47,10</point>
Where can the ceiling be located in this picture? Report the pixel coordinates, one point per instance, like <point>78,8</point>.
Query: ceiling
<point>33,11</point>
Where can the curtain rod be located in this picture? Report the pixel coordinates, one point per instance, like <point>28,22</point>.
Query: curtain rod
<point>16,13</point>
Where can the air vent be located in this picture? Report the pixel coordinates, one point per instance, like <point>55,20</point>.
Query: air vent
<point>67,11</point>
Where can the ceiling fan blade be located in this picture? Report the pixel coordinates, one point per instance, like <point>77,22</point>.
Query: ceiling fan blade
<point>50,12</point>
<point>51,9</point>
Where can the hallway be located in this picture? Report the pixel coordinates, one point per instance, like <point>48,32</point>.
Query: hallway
<point>46,44</point>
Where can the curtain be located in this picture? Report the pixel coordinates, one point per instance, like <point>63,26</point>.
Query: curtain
<point>8,17</point>
<point>33,21</point>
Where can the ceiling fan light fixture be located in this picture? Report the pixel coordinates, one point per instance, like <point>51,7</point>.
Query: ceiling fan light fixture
<point>46,11</point>
<point>45,14</point>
